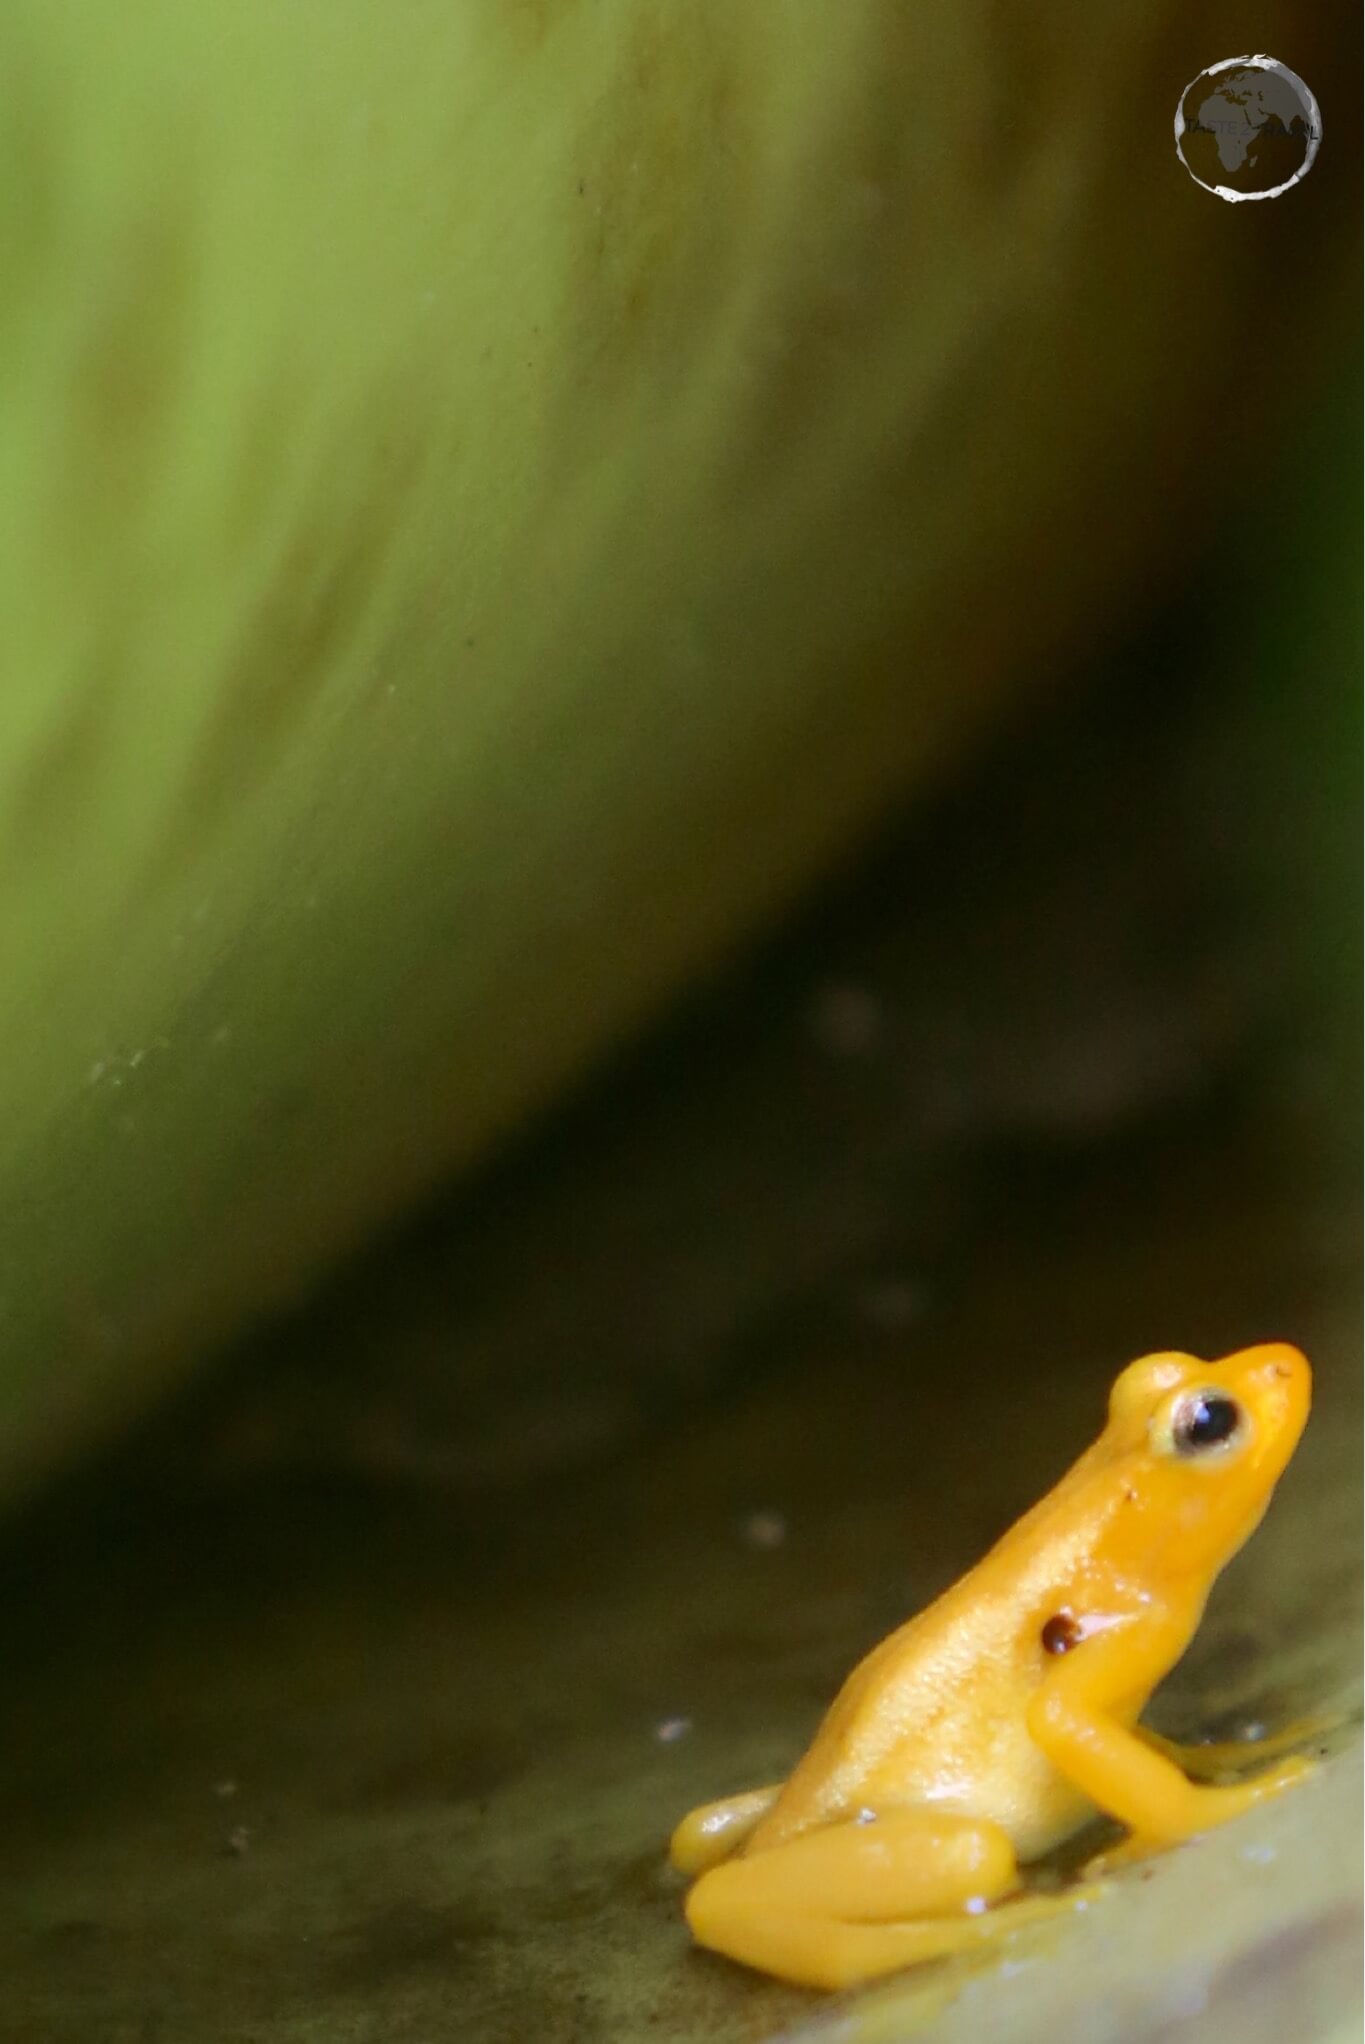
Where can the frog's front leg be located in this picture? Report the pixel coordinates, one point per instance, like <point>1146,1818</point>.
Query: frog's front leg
<point>1219,1759</point>
<point>714,1831</point>
<point>851,1901</point>
<point>1076,1718</point>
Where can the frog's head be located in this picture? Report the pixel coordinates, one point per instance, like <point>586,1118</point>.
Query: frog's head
<point>1204,1444</point>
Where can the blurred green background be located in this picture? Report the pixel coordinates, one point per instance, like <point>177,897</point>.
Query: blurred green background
<point>530,522</point>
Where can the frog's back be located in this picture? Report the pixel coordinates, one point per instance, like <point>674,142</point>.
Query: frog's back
<point>938,1712</point>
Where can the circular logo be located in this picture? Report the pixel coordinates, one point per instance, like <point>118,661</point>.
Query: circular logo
<point>1247,128</point>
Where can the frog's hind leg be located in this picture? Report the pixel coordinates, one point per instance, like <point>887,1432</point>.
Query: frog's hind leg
<point>714,1831</point>
<point>851,1901</point>
<point>820,1952</point>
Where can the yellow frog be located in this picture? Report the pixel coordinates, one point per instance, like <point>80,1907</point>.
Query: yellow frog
<point>1004,1717</point>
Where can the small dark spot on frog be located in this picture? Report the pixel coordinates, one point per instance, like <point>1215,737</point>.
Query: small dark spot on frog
<point>1130,1496</point>
<point>1060,1634</point>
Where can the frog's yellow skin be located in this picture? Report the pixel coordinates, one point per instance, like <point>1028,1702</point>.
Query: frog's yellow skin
<point>1004,1717</point>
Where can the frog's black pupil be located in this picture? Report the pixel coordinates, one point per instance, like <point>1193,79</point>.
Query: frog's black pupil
<point>1208,1421</point>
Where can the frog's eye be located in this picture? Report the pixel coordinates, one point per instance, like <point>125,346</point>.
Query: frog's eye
<point>1204,1420</point>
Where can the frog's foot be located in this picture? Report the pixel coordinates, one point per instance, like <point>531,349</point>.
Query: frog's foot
<point>1221,1804</point>
<point>852,1901</point>
<point>713,1831</point>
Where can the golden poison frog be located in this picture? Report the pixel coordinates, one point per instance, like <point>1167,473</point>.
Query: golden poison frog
<point>1004,1717</point>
